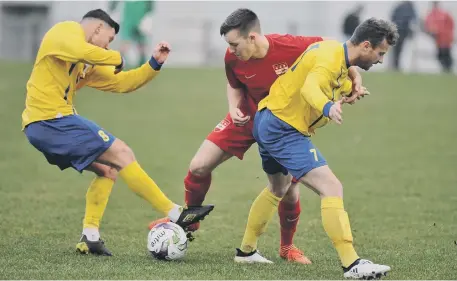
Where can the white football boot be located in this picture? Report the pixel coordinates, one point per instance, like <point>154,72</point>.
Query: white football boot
<point>365,269</point>
<point>252,257</point>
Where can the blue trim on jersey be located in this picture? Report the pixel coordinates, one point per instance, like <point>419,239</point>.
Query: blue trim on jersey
<point>71,68</point>
<point>304,53</point>
<point>338,86</point>
<point>155,64</point>
<point>326,110</point>
<point>346,56</point>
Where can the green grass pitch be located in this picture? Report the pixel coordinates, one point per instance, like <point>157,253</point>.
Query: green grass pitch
<point>395,154</point>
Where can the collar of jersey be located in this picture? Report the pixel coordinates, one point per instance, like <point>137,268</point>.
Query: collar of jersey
<point>346,56</point>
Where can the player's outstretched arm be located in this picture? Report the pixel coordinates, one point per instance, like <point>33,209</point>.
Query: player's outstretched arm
<point>103,78</point>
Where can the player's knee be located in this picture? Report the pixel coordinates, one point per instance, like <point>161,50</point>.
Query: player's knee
<point>279,189</point>
<point>333,188</point>
<point>199,168</point>
<point>126,154</point>
<point>293,194</point>
<point>279,183</point>
<point>123,154</point>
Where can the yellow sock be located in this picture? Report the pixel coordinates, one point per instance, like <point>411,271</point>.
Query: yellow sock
<point>96,200</point>
<point>262,210</point>
<point>137,179</point>
<point>336,224</point>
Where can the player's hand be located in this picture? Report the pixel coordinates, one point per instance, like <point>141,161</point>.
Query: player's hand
<point>356,95</point>
<point>356,80</point>
<point>336,112</point>
<point>356,89</point>
<point>161,52</point>
<point>239,119</point>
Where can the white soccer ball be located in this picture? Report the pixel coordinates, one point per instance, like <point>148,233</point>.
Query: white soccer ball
<point>167,241</point>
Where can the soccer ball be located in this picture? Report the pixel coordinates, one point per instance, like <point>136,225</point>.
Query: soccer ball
<point>167,241</point>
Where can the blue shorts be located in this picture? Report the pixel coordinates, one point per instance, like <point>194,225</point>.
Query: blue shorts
<point>283,148</point>
<point>70,141</point>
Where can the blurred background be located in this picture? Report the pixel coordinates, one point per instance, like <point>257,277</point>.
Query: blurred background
<point>192,27</point>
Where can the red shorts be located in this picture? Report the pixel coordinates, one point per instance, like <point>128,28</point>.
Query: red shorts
<point>233,139</point>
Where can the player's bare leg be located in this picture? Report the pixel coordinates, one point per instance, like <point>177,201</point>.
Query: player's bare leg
<point>96,200</point>
<point>336,224</point>
<point>198,179</point>
<point>289,214</point>
<point>121,157</point>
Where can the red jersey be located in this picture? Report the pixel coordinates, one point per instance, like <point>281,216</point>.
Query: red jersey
<point>441,24</point>
<point>256,76</point>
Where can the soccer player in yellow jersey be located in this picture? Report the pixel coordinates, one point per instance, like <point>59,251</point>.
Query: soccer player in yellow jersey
<point>307,97</point>
<point>73,55</point>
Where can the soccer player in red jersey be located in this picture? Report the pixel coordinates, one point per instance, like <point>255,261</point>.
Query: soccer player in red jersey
<point>252,63</point>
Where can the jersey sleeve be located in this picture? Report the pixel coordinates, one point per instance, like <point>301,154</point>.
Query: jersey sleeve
<point>104,79</point>
<point>231,77</point>
<point>68,44</point>
<point>316,89</point>
<point>346,88</point>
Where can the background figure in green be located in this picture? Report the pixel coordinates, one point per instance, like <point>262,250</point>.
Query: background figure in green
<point>132,13</point>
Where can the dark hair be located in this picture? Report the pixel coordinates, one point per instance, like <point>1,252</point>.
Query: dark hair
<point>244,20</point>
<point>102,15</point>
<point>375,31</point>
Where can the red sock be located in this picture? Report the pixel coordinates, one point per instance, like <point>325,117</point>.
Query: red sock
<point>196,188</point>
<point>289,215</point>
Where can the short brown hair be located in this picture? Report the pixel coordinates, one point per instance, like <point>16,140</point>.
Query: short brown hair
<point>102,15</point>
<point>244,20</point>
<point>375,31</point>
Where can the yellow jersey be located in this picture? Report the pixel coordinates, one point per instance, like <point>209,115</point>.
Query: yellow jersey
<point>66,62</point>
<point>318,77</point>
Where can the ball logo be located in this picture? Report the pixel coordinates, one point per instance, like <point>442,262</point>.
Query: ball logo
<point>156,239</point>
<point>175,237</point>
<point>222,125</point>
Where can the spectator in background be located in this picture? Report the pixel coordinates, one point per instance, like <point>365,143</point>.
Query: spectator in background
<point>403,15</point>
<point>132,14</point>
<point>351,21</point>
<point>440,25</point>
